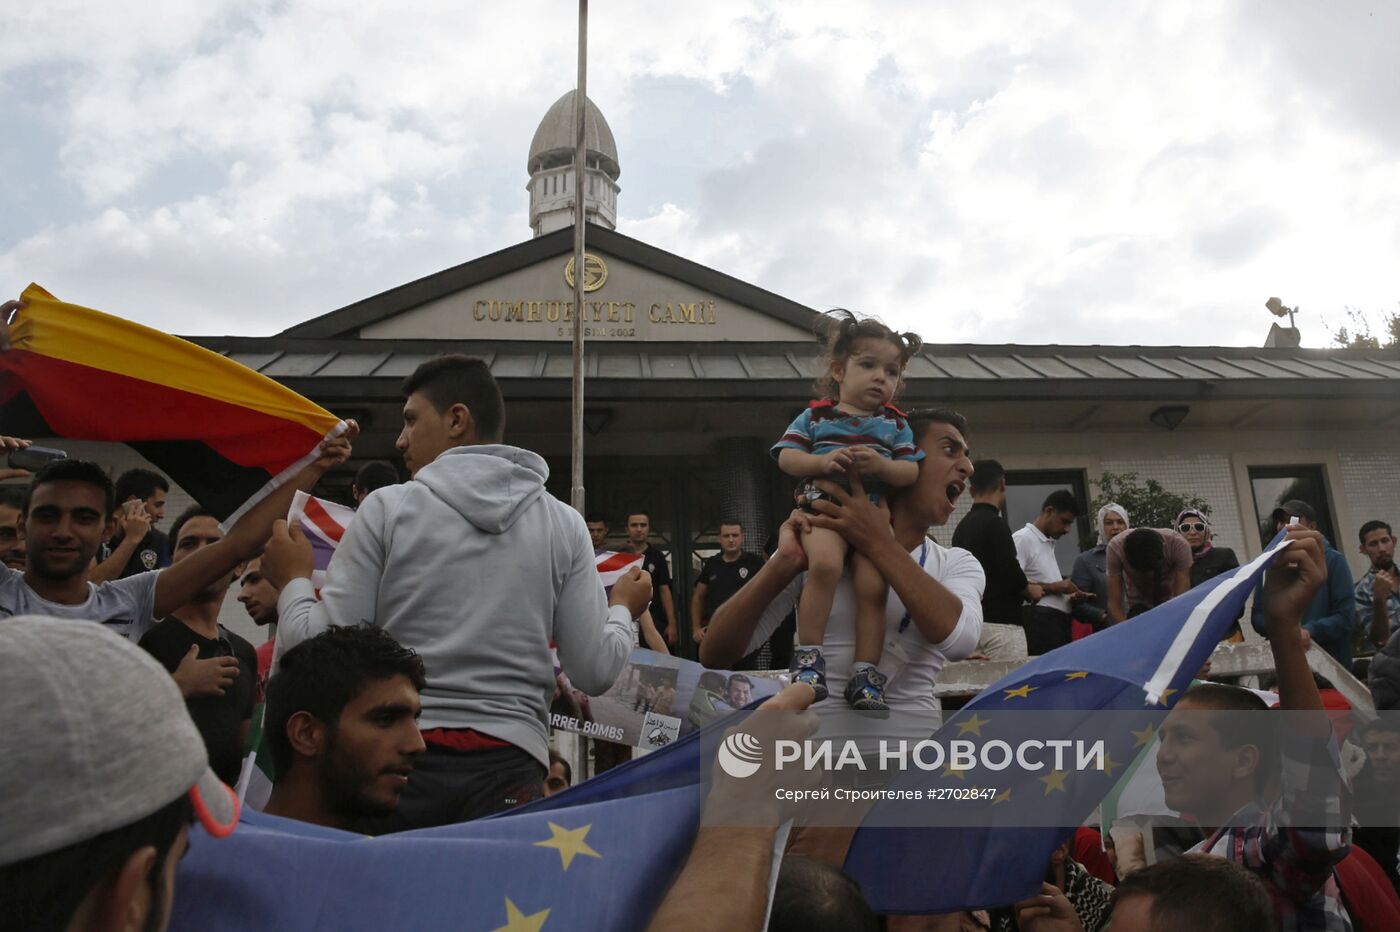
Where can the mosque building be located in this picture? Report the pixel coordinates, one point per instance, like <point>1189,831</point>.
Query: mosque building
<point>692,374</point>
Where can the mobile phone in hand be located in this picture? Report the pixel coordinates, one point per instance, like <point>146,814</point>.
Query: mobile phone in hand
<point>34,459</point>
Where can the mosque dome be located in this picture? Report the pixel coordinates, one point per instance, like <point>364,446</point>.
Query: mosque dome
<point>551,168</point>
<point>554,141</point>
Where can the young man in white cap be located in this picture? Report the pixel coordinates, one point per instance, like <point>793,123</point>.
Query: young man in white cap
<point>103,772</point>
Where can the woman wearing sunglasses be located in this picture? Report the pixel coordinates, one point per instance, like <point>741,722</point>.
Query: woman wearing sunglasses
<point>1207,560</point>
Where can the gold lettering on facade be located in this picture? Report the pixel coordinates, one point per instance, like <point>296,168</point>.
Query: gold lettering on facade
<point>704,313</point>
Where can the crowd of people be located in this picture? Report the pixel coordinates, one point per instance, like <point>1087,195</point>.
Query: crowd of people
<point>412,690</point>
<point>1131,570</point>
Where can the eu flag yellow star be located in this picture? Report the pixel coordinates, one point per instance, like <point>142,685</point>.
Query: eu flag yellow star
<point>1110,765</point>
<point>1020,692</point>
<point>1143,737</point>
<point>516,921</point>
<point>1166,693</point>
<point>1081,674</point>
<point>569,843</point>
<point>973,725</point>
<point>1055,781</point>
<point>950,771</point>
<point>1002,797</point>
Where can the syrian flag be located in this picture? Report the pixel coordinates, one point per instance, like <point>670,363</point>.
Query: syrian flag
<point>324,524</point>
<point>612,566</point>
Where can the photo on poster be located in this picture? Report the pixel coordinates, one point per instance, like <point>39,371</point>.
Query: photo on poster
<point>656,700</point>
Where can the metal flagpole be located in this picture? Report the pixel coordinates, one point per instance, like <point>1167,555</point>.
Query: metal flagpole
<point>581,747</point>
<point>580,177</point>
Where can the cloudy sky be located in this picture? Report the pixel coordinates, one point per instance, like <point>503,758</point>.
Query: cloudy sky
<point>1112,172</point>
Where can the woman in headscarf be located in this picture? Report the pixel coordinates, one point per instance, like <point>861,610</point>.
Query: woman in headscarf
<point>1207,560</point>
<point>1091,570</point>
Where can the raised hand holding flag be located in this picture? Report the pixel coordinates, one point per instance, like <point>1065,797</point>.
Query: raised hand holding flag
<point>226,434</point>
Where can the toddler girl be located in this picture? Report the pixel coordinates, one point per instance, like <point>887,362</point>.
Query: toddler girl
<point>854,426</point>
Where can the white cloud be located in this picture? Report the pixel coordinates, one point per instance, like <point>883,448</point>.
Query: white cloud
<point>1050,172</point>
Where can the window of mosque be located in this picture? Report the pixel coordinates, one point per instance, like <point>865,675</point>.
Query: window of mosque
<point>1274,485</point>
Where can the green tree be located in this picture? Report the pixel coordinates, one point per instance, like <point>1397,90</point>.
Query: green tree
<point>1360,335</point>
<point>1149,504</point>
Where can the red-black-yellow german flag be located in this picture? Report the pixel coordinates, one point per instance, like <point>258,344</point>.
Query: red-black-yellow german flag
<point>219,430</point>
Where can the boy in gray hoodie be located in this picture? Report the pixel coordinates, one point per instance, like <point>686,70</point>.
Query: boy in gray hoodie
<point>477,568</point>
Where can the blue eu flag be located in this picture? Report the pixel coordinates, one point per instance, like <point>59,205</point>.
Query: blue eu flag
<point>597,856</point>
<point>1141,664</point>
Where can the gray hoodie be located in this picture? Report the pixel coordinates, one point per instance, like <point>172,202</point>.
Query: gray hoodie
<point>477,568</point>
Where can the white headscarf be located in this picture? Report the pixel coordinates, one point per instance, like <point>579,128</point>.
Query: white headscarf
<point>1117,509</point>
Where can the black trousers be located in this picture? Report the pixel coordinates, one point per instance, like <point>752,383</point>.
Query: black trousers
<point>448,786</point>
<point>1046,629</point>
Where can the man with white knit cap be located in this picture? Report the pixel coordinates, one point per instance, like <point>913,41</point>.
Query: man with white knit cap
<point>103,774</point>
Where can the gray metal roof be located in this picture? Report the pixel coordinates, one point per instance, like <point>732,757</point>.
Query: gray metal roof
<point>347,370</point>
<point>779,362</point>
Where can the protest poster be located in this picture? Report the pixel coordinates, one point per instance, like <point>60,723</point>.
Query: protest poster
<point>656,700</point>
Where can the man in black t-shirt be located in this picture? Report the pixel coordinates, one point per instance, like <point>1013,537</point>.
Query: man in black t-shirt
<point>151,551</point>
<point>722,575</point>
<point>220,700</point>
<point>663,607</point>
<point>222,718</point>
<point>984,533</point>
